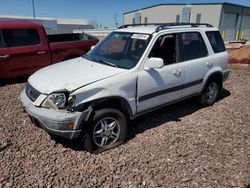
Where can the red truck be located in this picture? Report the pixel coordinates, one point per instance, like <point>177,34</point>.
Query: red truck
<point>25,47</point>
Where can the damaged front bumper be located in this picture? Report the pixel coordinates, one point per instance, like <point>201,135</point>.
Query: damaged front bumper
<point>54,121</point>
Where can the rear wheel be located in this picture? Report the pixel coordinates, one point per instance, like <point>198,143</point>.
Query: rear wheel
<point>108,129</point>
<point>210,94</point>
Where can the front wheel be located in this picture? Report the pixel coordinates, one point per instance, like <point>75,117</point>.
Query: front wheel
<point>210,94</point>
<point>108,129</point>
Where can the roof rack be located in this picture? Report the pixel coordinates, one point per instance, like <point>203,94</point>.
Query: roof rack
<point>143,24</point>
<point>168,25</point>
<point>162,26</point>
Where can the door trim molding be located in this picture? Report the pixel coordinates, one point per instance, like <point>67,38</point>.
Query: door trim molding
<point>164,105</point>
<point>169,90</point>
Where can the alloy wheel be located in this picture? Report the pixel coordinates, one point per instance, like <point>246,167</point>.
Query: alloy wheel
<point>106,131</point>
<point>212,92</point>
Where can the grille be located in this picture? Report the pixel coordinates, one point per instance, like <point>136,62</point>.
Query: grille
<point>31,92</point>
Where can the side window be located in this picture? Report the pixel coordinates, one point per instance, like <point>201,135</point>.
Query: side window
<point>165,48</point>
<point>192,46</point>
<point>216,41</point>
<point>21,37</point>
<point>1,40</point>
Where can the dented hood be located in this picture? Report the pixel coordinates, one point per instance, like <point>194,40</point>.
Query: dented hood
<point>70,75</point>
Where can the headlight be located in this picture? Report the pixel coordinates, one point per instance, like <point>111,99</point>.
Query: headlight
<point>59,99</point>
<point>55,101</point>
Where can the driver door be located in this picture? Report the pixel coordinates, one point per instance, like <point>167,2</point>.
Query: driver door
<point>162,85</point>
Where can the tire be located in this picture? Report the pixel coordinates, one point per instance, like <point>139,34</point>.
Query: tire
<point>210,93</point>
<point>107,129</point>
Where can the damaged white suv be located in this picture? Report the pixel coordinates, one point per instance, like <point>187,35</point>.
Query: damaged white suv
<point>134,70</point>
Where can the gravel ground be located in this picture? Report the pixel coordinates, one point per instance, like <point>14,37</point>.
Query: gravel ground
<point>179,146</point>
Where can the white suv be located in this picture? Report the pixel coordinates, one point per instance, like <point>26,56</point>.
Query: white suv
<point>134,70</point>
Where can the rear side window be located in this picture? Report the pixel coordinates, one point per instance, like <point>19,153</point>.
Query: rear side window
<point>192,46</point>
<point>21,37</point>
<point>1,40</point>
<point>216,41</point>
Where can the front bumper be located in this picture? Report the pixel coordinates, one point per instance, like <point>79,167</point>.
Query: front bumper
<point>54,121</point>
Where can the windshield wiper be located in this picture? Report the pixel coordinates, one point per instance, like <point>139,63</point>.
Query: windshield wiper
<point>107,63</point>
<point>100,61</point>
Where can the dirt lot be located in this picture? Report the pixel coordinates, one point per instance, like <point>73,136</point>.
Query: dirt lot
<point>179,146</point>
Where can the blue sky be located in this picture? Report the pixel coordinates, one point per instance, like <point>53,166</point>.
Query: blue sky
<point>103,11</point>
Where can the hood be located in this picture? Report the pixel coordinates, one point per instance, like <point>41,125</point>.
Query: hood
<point>70,75</point>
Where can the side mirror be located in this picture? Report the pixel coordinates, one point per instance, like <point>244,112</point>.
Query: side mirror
<point>92,47</point>
<point>154,63</point>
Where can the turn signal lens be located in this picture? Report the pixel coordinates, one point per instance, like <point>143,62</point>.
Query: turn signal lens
<point>70,125</point>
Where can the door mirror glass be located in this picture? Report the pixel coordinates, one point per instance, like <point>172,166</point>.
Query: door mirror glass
<point>154,63</point>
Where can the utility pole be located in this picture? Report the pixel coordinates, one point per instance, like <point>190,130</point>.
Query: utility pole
<point>34,14</point>
<point>116,23</point>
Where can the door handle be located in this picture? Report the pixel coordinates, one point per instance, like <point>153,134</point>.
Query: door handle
<point>41,52</point>
<point>4,56</point>
<point>177,72</point>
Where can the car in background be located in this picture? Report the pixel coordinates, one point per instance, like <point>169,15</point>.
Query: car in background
<point>25,47</point>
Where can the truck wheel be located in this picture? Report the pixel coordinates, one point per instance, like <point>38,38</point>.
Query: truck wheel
<point>108,129</point>
<point>210,93</point>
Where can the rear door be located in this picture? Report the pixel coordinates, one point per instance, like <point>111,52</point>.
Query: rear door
<point>27,52</point>
<point>195,61</point>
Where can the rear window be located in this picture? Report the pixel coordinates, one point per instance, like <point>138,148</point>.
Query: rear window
<point>216,41</point>
<point>21,37</point>
<point>1,40</point>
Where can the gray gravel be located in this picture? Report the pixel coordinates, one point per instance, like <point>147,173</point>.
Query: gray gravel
<point>179,146</point>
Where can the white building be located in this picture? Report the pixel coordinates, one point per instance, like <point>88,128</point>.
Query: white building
<point>57,25</point>
<point>232,20</point>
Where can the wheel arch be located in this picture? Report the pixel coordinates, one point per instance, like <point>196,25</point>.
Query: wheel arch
<point>217,76</point>
<point>118,103</point>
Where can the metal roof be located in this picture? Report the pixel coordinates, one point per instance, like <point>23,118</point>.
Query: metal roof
<point>174,4</point>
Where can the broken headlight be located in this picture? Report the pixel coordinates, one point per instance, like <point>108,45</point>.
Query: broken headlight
<point>55,101</point>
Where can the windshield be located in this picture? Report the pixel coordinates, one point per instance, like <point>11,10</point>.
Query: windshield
<point>120,49</point>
